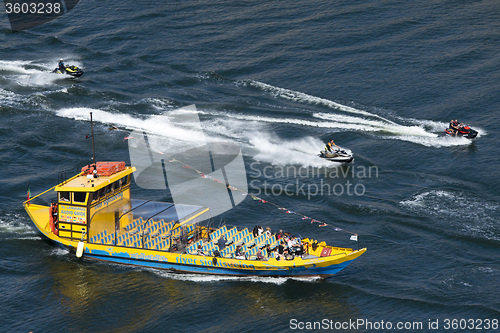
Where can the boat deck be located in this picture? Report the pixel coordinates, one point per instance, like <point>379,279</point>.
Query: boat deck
<point>164,235</point>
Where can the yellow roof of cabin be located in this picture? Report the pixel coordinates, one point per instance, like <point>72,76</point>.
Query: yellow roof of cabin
<point>80,183</point>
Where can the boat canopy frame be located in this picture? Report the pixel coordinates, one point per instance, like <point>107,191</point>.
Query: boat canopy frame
<point>181,216</point>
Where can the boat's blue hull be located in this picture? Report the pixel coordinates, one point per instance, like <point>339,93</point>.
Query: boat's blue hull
<point>217,270</point>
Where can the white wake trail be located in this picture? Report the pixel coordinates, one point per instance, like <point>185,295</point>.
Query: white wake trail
<point>341,121</point>
<point>31,73</point>
<point>249,134</point>
<point>156,124</point>
<point>421,132</point>
<point>298,96</point>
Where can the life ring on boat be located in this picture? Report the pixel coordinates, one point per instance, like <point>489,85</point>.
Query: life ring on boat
<point>53,220</point>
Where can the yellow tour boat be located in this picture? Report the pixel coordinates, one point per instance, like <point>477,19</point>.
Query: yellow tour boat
<point>94,216</point>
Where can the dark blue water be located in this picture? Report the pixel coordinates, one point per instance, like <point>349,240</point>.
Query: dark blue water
<point>279,79</point>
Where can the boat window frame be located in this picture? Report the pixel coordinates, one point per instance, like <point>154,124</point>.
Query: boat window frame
<point>101,193</point>
<point>125,180</point>
<point>110,189</point>
<point>107,190</point>
<point>74,201</point>
<point>60,197</point>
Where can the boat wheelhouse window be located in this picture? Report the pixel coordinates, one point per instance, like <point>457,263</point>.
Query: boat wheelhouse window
<point>79,197</point>
<point>124,180</point>
<point>64,196</point>
<point>100,194</point>
<point>108,189</point>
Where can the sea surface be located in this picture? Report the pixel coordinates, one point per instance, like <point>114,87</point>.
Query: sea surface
<point>279,79</point>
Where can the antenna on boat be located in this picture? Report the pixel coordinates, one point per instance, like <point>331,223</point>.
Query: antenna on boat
<point>93,147</point>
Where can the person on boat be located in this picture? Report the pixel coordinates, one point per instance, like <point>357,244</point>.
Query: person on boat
<point>279,235</point>
<point>281,250</point>
<point>238,254</point>
<point>61,66</point>
<point>200,251</point>
<point>260,256</point>
<point>54,218</point>
<point>268,250</point>
<point>293,247</point>
<point>221,242</point>
<point>299,247</point>
<point>260,230</point>
<point>305,248</point>
<point>268,232</point>
<point>329,146</point>
<point>255,231</point>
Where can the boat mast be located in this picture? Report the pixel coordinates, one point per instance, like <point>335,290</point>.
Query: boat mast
<point>93,147</point>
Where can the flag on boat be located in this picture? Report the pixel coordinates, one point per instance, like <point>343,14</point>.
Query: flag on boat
<point>354,237</point>
<point>29,194</point>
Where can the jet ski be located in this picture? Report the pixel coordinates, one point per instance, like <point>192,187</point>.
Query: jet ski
<point>339,155</point>
<point>464,131</point>
<point>70,70</point>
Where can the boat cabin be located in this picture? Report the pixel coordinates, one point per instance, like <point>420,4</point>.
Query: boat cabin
<point>95,206</point>
<point>80,198</point>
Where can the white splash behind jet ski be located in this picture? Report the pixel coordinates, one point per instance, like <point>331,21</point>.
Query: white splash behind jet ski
<point>339,155</point>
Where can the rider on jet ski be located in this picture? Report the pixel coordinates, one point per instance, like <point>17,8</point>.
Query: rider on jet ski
<point>69,70</point>
<point>61,66</point>
<point>455,126</point>
<point>335,155</point>
<point>328,147</point>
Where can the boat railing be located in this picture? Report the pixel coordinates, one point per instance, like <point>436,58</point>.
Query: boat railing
<point>131,210</point>
<point>145,225</point>
<point>181,238</point>
<point>190,239</point>
<point>61,176</point>
<point>185,238</point>
<point>50,189</point>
